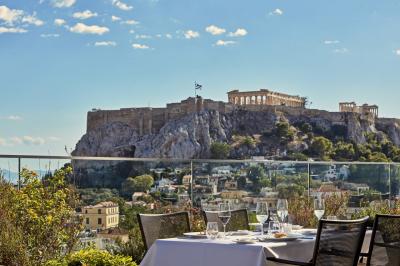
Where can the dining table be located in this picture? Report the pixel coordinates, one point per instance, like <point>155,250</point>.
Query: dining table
<point>232,250</point>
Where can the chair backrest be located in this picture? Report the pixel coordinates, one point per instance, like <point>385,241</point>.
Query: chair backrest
<point>159,226</point>
<point>384,248</point>
<point>339,242</point>
<point>238,221</point>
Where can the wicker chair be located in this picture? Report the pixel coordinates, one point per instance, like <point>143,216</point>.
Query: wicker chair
<point>384,248</point>
<point>159,226</point>
<point>238,221</point>
<point>338,243</point>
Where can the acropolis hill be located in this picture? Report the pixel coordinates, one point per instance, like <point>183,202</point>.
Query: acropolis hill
<point>148,120</point>
<point>247,123</point>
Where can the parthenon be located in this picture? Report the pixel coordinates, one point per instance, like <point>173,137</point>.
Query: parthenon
<point>365,109</point>
<point>265,97</point>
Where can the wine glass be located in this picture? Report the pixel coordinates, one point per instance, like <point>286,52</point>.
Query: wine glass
<point>282,209</point>
<point>224,215</point>
<point>212,230</point>
<point>262,214</point>
<point>319,207</point>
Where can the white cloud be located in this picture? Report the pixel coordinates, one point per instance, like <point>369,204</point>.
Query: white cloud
<point>12,30</point>
<point>191,34</point>
<point>397,52</point>
<point>50,35</point>
<point>130,22</point>
<point>340,50</point>
<point>105,43</point>
<point>142,36</point>
<point>214,30</point>
<point>140,46</point>
<point>16,16</point>
<point>121,5</point>
<point>32,19</point>
<point>331,42</point>
<point>277,12</point>
<point>238,33</point>
<point>224,43</point>
<point>85,14</point>
<point>29,140</point>
<point>115,18</point>
<point>168,36</point>
<point>10,15</point>
<point>59,22</point>
<point>11,117</point>
<point>63,3</point>
<point>131,31</point>
<point>86,29</point>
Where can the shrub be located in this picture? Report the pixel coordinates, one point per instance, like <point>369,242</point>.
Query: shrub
<point>93,257</point>
<point>220,150</point>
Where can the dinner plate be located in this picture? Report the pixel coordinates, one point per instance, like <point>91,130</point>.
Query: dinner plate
<point>200,235</point>
<point>240,233</point>
<point>273,239</point>
<point>244,241</point>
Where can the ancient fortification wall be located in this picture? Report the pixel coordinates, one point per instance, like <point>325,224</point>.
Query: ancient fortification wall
<point>151,120</point>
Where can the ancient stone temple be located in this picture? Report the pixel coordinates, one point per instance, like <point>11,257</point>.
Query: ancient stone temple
<point>265,97</point>
<point>365,109</point>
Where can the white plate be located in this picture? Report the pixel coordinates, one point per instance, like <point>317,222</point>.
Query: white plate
<point>195,235</point>
<point>244,241</point>
<point>240,233</point>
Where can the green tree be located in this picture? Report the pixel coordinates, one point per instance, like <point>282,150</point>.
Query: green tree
<point>284,132</point>
<point>140,183</point>
<point>344,151</point>
<point>40,221</point>
<point>321,147</point>
<point>220,150</point>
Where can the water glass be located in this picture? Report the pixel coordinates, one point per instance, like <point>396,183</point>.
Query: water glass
<point>273,227</point>
<point>262,214</point>
<point>212,230</point>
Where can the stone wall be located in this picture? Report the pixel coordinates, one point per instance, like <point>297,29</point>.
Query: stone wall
<point>151,120</point>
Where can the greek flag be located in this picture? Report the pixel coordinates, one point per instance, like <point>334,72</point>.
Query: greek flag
<point>197,86</point>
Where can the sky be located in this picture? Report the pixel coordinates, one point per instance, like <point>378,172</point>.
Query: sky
<point>61,58</point>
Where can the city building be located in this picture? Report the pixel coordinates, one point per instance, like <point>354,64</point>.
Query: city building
<point>101,216</point>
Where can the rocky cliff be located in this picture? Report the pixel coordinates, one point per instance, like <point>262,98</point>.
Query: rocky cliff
<point>192,135</point>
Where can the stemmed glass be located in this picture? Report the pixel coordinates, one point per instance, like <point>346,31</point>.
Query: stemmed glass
<point>282,209</point>
<point>319,207</point>
<point>224,215</point>
<point>262,214</point>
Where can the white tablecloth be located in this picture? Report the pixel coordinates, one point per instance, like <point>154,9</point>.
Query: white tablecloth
<point>225,252</point>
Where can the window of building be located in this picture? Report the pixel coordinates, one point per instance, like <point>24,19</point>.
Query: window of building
<point>87,220</point>
<point>99,211</point>
<point>85,211</point>
<point>99,221</point>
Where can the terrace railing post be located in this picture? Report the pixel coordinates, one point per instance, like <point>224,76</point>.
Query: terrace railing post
<point>309,179</point>
<point>191,182</point>
<point>19,173</point>
<point>390,185</point>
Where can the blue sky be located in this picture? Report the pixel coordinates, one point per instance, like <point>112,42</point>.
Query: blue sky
<point>61,58</point>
